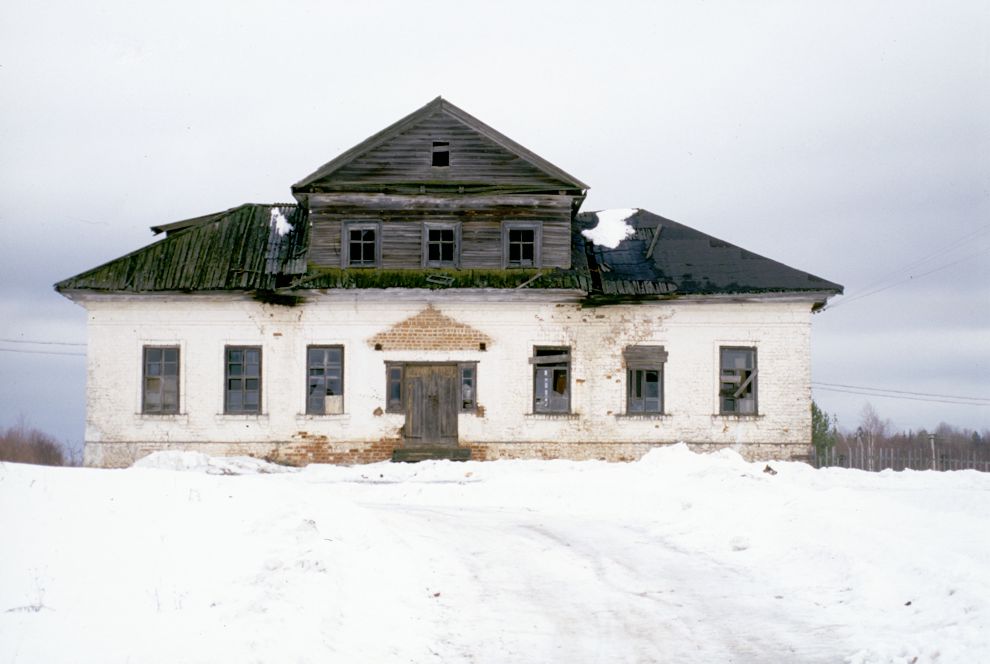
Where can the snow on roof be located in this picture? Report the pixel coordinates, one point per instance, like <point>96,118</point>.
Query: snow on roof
<point>281,224</point>
<point>612,227</point>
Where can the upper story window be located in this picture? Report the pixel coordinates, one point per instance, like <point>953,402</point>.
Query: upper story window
<point>441,245</point>
<point>644,378</point>
<point>242,377</point>
<point>737,381</point>
<point>441,153</point>
<point>361,244</point>
<point>521,243</point>
<point>160,390</point>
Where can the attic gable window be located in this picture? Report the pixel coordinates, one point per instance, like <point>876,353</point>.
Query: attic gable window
<point>361,245</point>
<point>441,153</point>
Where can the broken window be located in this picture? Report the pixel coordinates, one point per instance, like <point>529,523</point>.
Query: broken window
<point>161,380</point>
<point>441,153</point>
<point>361,245</point>
<point>644,378</point>
<point>242,393</point>
<point>441,245</point>
<point>325,380</point>
<point>469,378</point>
<point>551,380</point>
<point>737,381</point>
<point>393,388</point>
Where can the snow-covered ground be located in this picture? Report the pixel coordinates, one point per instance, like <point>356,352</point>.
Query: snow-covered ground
<point>677,558</point>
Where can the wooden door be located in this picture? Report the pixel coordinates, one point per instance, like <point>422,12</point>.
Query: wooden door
<point>431,404</point>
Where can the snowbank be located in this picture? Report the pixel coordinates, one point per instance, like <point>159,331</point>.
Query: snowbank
<point>202,463</point>
<point>677,558</point>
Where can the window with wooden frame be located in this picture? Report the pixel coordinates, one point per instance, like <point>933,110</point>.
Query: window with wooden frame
<point>242,379</point>
<point>551,379</point>
<point>521,243</point>
<point>361,244</point>
<point>160,383</point>
<point>393,387</point>
<point>469,386</point>
<point>644,379</point>
<point>325,380</point>
<point>441,244</point>
<point>737,381</point>
<point>441,154</point>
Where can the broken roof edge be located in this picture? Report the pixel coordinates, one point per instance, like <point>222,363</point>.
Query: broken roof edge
<point>64,286</point>
<point>588,221</point>
<point>438,104</point>
<point>202,220</point>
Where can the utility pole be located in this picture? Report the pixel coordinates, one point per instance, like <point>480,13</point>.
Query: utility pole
<point>931,439</point>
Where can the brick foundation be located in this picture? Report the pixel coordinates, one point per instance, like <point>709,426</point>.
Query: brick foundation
<point>317,449</point>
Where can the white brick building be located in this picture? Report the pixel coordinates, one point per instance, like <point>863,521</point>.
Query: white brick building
<point>448,308</point>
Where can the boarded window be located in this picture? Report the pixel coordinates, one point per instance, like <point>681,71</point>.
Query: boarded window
<point>325,380</point>
<point>242,392</point>
<point>551,380</point>
<point>737,381</point>
<point>644,378</point>
<point>161,380</point>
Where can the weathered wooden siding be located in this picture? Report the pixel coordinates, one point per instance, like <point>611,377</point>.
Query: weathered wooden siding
<point>481,234</point>
<point>474,159</point>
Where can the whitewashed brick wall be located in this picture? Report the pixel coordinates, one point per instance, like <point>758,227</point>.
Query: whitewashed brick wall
<point>117,432</point>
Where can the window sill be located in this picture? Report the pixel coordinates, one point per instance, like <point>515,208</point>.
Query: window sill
<point>164,417</point>
<point>241,417</point>
<point>309,417</point>
<point>552,416</point>
<point>737,416</point>
<point>642,416</point>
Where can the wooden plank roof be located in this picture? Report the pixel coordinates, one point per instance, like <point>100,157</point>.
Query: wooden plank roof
<point>438,105</point>
<point>240,249</point>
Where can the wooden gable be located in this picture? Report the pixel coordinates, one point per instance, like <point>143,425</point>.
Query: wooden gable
<point>480,159</point>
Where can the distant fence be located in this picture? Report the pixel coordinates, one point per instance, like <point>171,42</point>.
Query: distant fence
<point>882,458</point>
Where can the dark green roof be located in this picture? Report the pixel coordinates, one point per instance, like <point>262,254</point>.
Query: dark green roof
<point>241,250</point>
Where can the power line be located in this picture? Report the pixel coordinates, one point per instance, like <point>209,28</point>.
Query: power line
<point>40,352</point>
<point>879,285</point>
<point>45,343</point>
<point>917,394</point>
<point>903,397</point>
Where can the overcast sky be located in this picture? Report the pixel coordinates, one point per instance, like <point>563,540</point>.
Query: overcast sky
<point>847,139</point>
